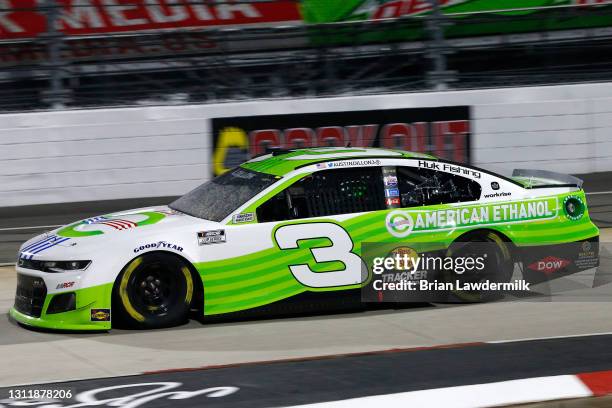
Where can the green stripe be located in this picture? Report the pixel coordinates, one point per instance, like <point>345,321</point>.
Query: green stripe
<point>288,284</point>
<point>214,273</point>
<point>250,285</point>
<point>254,302</point>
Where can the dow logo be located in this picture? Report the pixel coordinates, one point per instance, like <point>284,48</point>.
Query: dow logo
<point>549,265</point>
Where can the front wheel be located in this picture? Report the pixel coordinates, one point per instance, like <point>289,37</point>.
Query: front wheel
<point>153,291</point>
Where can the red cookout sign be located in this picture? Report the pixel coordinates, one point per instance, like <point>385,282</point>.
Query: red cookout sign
<point>22,19</point>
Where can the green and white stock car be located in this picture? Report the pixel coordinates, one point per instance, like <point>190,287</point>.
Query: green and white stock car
<point>283,227</point>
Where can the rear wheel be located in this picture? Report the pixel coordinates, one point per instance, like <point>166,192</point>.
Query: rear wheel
<point>153,291</point>
<point>498,265</point>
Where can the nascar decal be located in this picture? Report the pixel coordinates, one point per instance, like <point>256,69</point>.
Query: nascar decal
<point>41,245</point>
<point>109,223</point>
<point>401,223</point>
<point>211,237</point>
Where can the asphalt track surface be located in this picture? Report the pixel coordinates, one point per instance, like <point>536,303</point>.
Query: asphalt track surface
<point>290,383</point>
<point>582,305</point>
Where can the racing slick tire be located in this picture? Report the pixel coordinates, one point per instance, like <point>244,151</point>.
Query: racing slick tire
<point>154,290</point>
<point>498,265</point>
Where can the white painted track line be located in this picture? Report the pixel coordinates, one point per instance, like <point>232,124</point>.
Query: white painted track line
<point>473,396</point>
<point>28,228</point>
<point>599,193</point>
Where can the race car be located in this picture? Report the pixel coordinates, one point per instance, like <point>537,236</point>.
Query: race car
<point>287,226</point>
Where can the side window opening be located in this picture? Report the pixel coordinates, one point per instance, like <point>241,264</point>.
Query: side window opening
<point>327,192</point>
<point>430,187</point>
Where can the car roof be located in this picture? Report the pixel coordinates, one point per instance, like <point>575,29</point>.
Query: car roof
<point>280,162</point>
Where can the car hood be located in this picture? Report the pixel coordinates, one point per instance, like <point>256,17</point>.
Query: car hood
<point>89,235</point>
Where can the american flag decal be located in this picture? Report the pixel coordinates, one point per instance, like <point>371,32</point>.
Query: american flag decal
<point>115,223</point>
<point>118,223</point>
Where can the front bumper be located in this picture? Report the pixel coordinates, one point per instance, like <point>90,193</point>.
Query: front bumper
<point>32,302</point>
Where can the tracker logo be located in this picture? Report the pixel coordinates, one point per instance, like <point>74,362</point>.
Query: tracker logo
<point>549,265</point>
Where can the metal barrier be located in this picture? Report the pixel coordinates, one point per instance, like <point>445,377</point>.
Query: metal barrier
<point>88,53</point>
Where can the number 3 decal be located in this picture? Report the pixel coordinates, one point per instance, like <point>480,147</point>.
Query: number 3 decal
<point>288,236</point>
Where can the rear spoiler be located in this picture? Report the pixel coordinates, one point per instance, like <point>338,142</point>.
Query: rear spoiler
<point>544,178</point>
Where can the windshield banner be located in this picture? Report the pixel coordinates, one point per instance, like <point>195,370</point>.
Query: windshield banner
<point>318,11</point>
<point>23,19</point>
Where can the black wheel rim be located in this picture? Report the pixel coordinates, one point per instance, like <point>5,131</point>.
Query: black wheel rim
<point>155,288</point>
<point>491,272</point>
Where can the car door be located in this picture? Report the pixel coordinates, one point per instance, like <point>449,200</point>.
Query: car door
<point>309,231</point>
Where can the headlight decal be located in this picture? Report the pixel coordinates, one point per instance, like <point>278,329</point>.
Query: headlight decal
<point>53,266</point>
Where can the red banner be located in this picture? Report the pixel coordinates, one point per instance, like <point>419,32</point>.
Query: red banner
<point>21,18</point>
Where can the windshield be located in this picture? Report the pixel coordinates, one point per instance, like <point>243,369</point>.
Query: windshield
<point>219,197</point>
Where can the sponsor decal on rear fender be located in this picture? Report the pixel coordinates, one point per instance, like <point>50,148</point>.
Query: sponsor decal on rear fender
<point>549,265</point>
<point>401,223</point>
